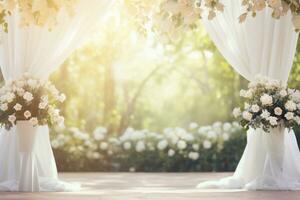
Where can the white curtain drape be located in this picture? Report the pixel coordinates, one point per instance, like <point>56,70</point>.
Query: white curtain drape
<point>38,51</point>
<point>260,46</point>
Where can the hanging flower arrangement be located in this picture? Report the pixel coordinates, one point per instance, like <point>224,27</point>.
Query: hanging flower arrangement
<point>35,12</point>
<point>279,8</point>
<point>171,17</point>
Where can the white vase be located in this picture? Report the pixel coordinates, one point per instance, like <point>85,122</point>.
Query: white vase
<point>296,21</point>
<point>275,150</point>
<point>29,181</point>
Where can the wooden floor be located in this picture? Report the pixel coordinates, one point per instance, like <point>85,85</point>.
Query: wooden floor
<point>148,186</point>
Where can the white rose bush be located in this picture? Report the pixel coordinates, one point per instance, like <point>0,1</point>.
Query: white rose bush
<point>30,99</point>
<point>269,104</point>
<point>197,148</point>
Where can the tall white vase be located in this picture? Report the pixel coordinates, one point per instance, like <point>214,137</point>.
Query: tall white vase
<point>275,151</point>
<point>29,180</point>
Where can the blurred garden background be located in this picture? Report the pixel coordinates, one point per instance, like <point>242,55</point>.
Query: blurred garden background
<point>149,103</point>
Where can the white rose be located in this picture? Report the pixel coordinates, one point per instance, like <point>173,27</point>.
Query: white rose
<point>207,144</point>
<point>296,96</point>
<point>290,105</point>
<point>265,114</point>
<point>127,145</point>
<point>236,112</point>
<point>283,93</point>
<point>247,115</point>
<point>171,152</point>
<point>12,118</point>
<point>18,107</point>
<point>4,107</point>
<point>273,121</point>
<point>278,111</point>
<point>27,114</point>
<point>162,144</point>
<point>297,119</point>
<point>266,99</point>
<point>34,121</point>
<point>289,115</point>
<point>193,155</point>
<point>255,108</point>
<point>28,96</point>
<point>181,144</point>
<point>103,145</point>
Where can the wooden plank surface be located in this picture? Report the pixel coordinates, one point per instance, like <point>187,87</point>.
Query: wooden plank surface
<point>148,186</point>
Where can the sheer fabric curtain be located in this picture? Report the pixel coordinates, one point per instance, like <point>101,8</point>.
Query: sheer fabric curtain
<point>38,51</point>
<point>260,46</point>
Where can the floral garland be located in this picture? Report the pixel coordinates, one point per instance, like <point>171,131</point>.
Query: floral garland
<point>37,12</point>
<point>279,8</point>
<point>30,99</point>
<point>269,104</point>
<point>168,17</point>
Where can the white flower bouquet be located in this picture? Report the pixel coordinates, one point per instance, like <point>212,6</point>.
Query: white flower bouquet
<point>30,99</point>
<point>269,104</point>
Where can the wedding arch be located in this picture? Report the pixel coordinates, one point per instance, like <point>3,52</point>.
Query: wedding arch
<point>262,45</point>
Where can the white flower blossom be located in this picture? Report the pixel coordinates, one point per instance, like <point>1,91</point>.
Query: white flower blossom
<point>283,93</point>
<point>12,118</point>
<point>265,114</point>
<point>290,105</point>
<point>207,144</point>
<point>296,96</point>
<point>193,125</point>
<point>4,107</point>
<point>289,115</point>
<point>181,144</point>
<point>193,155</point>
<point>18,107</point>
<point>140,146</point>
<point>27,114</point>
<point>171,152</point>
<point>28,96</point>
<point>103,145</point>
<point>247,115</point>
<point>278,111</point>
<point>196,147</point>
<point>273,121</point>
<point>127,145</point>
<point>266,99</point>
<point>162,144</point>
<point>34,121</point>
<point>255,108</point>
<point>236,112</point>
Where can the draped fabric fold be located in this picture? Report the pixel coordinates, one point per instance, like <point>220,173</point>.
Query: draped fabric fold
<point>39,52</point>
<point>260,46</point>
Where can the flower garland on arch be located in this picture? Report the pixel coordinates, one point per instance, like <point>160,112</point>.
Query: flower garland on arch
<point>35,12</point>
<point>279,8</point>
<point>168,17</point>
